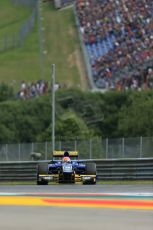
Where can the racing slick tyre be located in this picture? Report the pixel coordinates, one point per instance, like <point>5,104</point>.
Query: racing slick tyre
<point>42,169</point>
<point>91,170</point>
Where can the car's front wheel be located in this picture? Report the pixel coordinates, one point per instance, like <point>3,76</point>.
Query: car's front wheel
<point>91,170</point>
<point>42,169</point>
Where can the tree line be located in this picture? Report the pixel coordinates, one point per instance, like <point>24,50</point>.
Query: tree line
<point>78,115</point>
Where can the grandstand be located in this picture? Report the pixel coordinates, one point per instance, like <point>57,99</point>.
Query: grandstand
<point>118,38</point>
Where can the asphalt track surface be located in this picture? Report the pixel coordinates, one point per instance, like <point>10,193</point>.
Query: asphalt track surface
<point>76,217</point>
<point>78,188</point>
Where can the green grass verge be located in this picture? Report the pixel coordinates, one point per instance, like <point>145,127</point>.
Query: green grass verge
<point>126,182</point>
<point>61,43</point>
<point>11,17</point>
<point>17,182</point>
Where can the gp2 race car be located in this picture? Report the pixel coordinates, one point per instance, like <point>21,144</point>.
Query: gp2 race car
<point>65,167</point>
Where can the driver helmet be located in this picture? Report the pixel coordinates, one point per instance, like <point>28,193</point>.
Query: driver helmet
<point>66,154</point>
<point>66,159</point>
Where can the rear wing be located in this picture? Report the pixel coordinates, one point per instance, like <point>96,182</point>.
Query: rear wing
<point>61,153</point>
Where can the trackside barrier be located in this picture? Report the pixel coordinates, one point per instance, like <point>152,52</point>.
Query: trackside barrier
<point>114,169</point>
<point>18,171</point>
<point>125,169</point>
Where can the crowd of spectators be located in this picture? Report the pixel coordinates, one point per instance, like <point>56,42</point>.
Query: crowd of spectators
<point>35,89</point>
<point>32,90</point>
<point>118,35</point>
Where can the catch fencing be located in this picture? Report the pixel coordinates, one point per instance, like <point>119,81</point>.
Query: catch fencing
<point>16,39</point>
<point>85,53</point>
<point>30,3</point>
<point>93,148</point>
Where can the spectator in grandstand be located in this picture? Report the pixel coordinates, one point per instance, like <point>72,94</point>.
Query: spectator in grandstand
<point>119,40</point>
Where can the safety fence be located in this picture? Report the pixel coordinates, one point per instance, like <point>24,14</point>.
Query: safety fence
<point>120,169</point>
<point>93,148</point>
<point>85,53</point>
<point>30,3</point>
<point>16,38</point>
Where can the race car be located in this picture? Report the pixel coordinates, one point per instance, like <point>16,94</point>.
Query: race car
<point>65,167</point>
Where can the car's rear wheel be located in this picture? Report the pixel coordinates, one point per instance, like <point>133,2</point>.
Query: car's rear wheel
<point>91,170</point>
<point>42,169</point>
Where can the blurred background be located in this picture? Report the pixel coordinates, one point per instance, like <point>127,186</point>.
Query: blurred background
<point>103,52</point>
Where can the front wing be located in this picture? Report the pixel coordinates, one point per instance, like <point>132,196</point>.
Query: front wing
<point>78,178</point>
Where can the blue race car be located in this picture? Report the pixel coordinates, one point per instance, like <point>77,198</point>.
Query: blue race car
<point>65,167</point>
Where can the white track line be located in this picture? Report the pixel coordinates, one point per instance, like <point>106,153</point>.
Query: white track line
<point>138,194</point>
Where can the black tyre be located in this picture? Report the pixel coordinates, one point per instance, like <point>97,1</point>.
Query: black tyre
<point>91,170</point>
<point>42,169</point>
<point>44,182</point>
